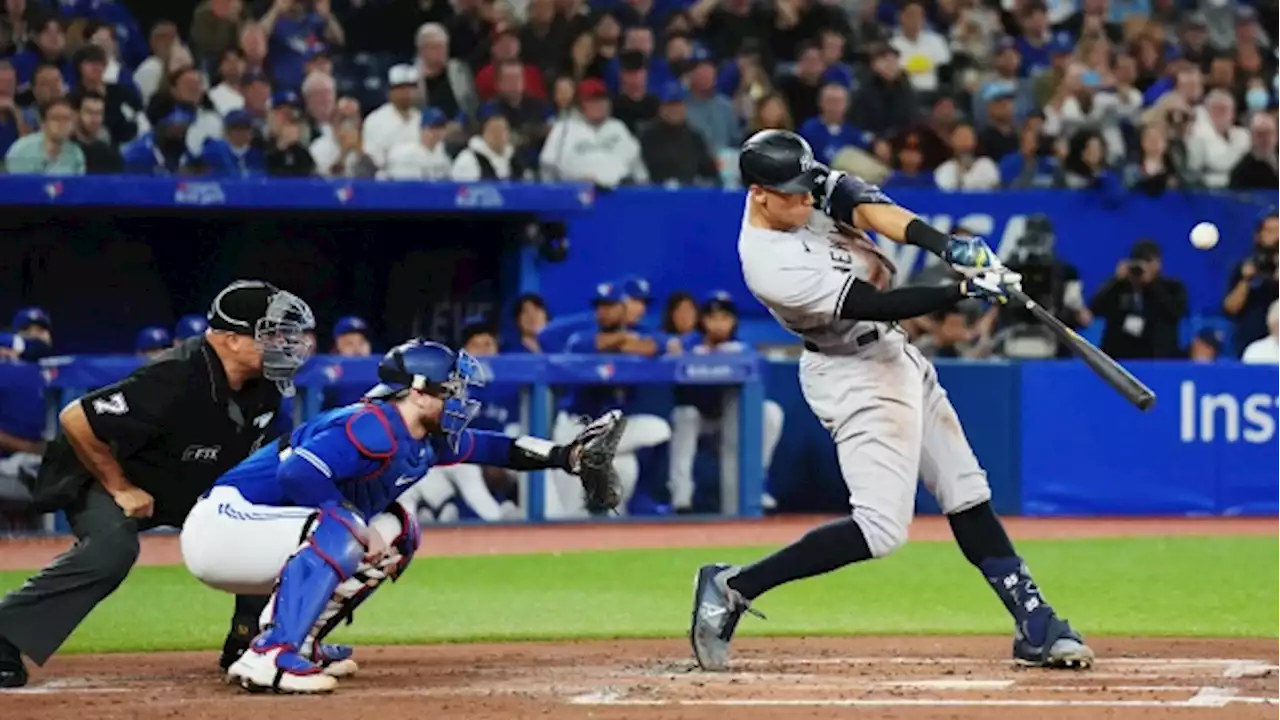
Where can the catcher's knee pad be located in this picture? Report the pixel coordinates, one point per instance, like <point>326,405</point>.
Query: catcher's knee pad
<point>883,532</point>
<point>330,556</point>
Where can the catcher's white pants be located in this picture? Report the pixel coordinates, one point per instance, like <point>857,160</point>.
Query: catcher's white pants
<point>687,424</point>
<point>233,545</point>
<point>564,498</point>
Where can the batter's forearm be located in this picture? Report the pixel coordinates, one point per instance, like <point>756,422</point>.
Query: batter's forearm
<point>863,301</point>
<point>94,454</point>
<point>900,225</point>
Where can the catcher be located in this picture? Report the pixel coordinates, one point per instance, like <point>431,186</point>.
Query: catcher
<point>313,520</point>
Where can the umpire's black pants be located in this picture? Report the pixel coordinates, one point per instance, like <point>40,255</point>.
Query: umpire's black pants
<point>39,616</point>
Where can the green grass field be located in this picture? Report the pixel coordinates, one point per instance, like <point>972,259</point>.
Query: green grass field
<point>1182,586</point>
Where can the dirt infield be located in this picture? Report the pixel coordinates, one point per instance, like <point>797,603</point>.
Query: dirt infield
<point>911,678</point>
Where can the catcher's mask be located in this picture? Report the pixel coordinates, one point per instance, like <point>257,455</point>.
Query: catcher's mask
<point>434,369</point>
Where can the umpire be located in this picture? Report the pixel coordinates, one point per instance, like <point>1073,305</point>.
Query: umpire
<point>137,454</point>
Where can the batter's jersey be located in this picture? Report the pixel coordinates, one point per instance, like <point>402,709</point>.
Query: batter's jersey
<point>802,276</point>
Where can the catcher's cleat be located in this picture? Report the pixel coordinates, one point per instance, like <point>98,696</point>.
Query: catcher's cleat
<point>591,459</point>
<point>717,608</point>
<point>275,668</point>
<point>336,660</point>
<point>1062,648</point>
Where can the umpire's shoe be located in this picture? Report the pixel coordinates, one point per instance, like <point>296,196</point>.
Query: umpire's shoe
<point>716,611</point>
<point>13,674</point>
<point>1062,648</point>
<point>276,668</point>
<point>237,642</point>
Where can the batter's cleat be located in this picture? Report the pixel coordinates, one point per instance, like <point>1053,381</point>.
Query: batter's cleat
<point>13,674</point>
<point>336,660</point>
<point>717,608</point>
<point>1062,648</point>
<point>280,670</point>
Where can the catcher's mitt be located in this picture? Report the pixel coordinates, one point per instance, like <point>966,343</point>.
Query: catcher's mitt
<point>591,459</point>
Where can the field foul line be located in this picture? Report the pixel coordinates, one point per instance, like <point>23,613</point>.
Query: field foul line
<point>1233,664</point>
<point>1216,701</point>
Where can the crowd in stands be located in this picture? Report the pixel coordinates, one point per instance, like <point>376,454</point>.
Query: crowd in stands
<point>960,95</point>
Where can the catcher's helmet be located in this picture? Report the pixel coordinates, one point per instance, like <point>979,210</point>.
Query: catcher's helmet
<point>433,368</point>
<point>779,160</point>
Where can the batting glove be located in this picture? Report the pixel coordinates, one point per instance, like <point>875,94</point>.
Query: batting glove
<point>991,285</point>
<point>971,256</point>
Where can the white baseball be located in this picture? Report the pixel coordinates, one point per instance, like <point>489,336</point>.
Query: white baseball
<point>1204,235</point>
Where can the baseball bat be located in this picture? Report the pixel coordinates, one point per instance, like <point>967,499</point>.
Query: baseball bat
<point>1101,363</point>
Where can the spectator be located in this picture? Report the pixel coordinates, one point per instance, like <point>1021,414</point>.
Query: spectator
<point>238,155</point>
<point>1000,136</point>
<point>1044,85</point>
<point>447,83</point>
<point>530,315</point>
<point>951,335</point>
<point>471,30</point>
<point>1216,145</point>
<point>680,317</point>
<point>256,90</point>
<point>100,155</point>
<point>1086,163</point>
<point>151,341</point>
<point>286,156</point>
<point>886,101</point>
<point>121,114</point>
<point>295,30</point>
<point>635,105</point>
<point>1092,19</point>
<point>1194,46</point>
<point>422,160</point>
<point>16,21</point>
<point>1155,169</point>
<point>226,95</point>
<point>745,81</point>
<point>727,25</point>
<point>1031,166</point>
<point>544,36</point>
<point>506,48</point>
<point>908,167</point>
<point>1205,346</point>
<point>1116,107</point>
<point>591,146</point>
<point>47,86</point>
<point>163,151</point>
<point>676,60</point>
<point>966,171</point>
<point>1253,285</point>
<point>1036,42</point>
<point>564,92</point>
<point>973,36</point>
<point>584,60</point>
<point>319,99</point>
<point>829,132</point>
<point>1068,110</point>
<point>186,92</point>
<point>397,121</point>
<point>834,48</point>
<point>1141,307</point>
<point>1222,74</point>
<point>285,106</point>
<point>48,47</point>
<point>772,114</point>
<point>117,74</point>
<point>1257,169</point>
<point>926,55</point>
<point>710,113</point>
<point>1266,350</point>
<point>253,43</point>
<point>48,151</point>
<point>801,88</point>
<point>673,152</point>
<point>526,116</point>
<point>489,155</point>
<point>215,28</point>
<point>1004,73</point>
<point>153,70</point>
<point>13,123</point>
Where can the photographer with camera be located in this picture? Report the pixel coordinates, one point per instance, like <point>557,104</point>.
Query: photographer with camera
<point>1053,283</point>
<point>1141,307</point>
<point>1254,286</point>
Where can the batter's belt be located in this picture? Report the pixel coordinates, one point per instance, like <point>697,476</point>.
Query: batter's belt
<point>859,343</point>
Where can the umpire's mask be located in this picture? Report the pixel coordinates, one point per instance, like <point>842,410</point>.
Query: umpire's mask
<point>280,326</point>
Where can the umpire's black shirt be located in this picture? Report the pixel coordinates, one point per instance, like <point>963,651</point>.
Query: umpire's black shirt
<point>174,425</point>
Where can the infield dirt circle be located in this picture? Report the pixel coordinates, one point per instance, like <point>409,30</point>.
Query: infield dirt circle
<point>865,677</point>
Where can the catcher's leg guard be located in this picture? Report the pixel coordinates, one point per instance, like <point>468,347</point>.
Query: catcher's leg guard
<point>331,555</point>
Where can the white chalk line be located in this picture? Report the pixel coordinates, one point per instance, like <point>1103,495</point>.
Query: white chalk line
<point>604,700</point>
<point>1141,662</point>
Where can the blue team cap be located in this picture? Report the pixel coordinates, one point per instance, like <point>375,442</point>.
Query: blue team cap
<point>672,92</point>
<point>1006,43</point>
<point>433,117</point>
<point>350,324</point>
<point>701,55</point>
<point>152,337</point>
<point>178,116</point>
<point>1061,44</point>
<point>997,91</point>
<point>190,326</point>
<point>607,293</point>
<point>31,316</point>
<point>719,300</point>
<point>12,341</point>
<point>238,118</point>
<point>487,111</point>
<point>286,98</point>
<point>635,287</point>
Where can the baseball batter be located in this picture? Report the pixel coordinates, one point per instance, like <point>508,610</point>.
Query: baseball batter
<point>823,279</point>
<point>315,516</point>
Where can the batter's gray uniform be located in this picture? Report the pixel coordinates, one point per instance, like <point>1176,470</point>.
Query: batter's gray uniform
<point>874,392</point>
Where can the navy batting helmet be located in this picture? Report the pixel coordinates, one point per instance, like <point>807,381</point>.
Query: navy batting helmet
<point>779,160</point>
